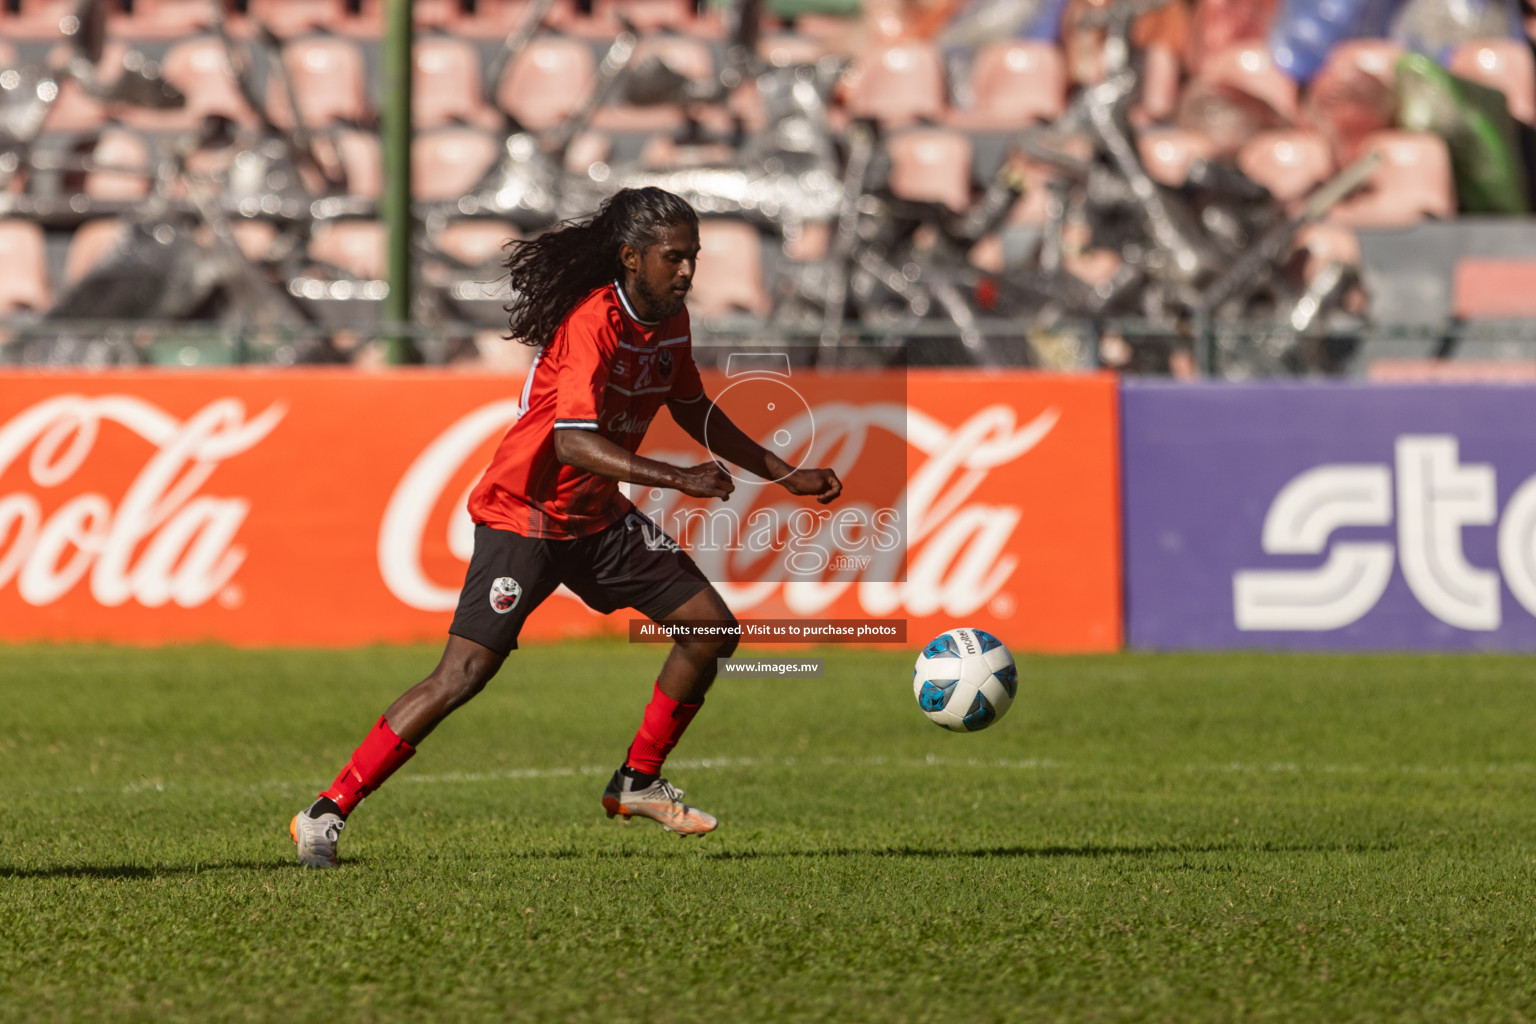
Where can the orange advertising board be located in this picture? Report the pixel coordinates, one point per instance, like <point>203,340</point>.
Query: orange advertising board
<point>326,508</point>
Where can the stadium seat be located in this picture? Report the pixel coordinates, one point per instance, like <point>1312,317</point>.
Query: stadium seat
<point>166,19</point>
<point>1248,68</point>
<point>439,15</point>
<point>652,16</point>
<point>476,243</point>
<point>449,162</point>
<point>200,69</point>
<point>931,165</point>
<point>1324,243</point>
<point>38,20</point>
<point>446,85</point>
<point>586,149</point>
<point>362,161</point>
<point>254,237</point>
<point>1503,64</point>
<point>547,82</point>
<point>495,19</point>
<point>1376,57</point>
<point>1289,163</point>
<point>729,278</point>
<point>1413,182</point>
<point>1014,83</point>
<point>1501,289</point>
<point>289,19</point>
<point>688,57</point>
<point>784,50</point>
<point>897,84</point>
<point>1168,152</point>
<point>329,80</point>
<point>120,148</point>
<point>1161,77</point>
<point>89,244</point>
<point>24,285</point>
<point>356,247</point>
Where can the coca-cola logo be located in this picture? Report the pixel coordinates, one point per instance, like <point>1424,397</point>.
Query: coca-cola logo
<point>956,535</point>
<point>159,542</point>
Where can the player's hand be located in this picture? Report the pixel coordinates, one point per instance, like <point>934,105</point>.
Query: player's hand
<point>823,483</point>
<point>707,480</point>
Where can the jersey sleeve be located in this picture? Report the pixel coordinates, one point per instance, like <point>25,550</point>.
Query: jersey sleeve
<point>686,385</point>
<point>587,351</point>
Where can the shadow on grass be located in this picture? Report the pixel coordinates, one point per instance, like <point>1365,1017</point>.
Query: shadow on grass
<point>128,872</point>
<point>1087,850</point>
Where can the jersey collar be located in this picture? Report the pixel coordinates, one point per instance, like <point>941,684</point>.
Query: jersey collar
<point>618,286</point>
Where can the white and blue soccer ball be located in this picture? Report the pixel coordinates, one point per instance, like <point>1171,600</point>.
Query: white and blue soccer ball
<point>965,680</point>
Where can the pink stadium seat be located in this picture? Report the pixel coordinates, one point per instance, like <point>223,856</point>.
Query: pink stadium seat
<point>495,19</point>
<point>200,69</point>
<point>931,165</point>
<point>1289,163</point>
<point>1248,68</point>
<point>1326,243</point>
<point>688,57</point>
<point>476,243</point>
<point>329,80</point>
<point>1161,77</point>
<point>897,84</point>
<point>362,160</point>
<point>289,19</point>
<point>1168,152</point>
<point>1015,83</point>
<point>1413,182</point>
<point>586,149</point>
<point>652,16</point>
<point>446,85</point>
<point>783,51</point>
<point>24,285</point>
<point>547,82</point>
<point>254,237</point>
<point>356,247</point>
<point>38,20</point>
<point>729,277</point>
<point>1503,64</point>
<point>89,245</point>
<point>443,15</point>
<point>117,147</point>
<point>1376,57</point>
<point>1502,289</point>
<point>166,19</point>
<point>447,163</point>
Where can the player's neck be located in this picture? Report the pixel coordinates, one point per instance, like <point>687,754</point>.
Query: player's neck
<point>636,311</point>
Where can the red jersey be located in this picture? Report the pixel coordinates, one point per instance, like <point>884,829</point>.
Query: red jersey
<point>606,371</point>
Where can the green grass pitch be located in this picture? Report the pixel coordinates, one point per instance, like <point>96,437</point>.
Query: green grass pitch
<point>1142,838</point>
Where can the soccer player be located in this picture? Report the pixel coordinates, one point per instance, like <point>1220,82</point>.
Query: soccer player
<point>603,299</point>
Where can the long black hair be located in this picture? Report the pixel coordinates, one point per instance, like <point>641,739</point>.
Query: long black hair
<point>550,274</point>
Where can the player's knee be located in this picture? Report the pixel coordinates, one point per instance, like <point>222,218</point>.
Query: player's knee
<point>729,641</point>
<point>460,678</point>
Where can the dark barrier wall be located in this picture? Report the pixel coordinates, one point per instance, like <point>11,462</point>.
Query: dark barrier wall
<point>1330,516</point>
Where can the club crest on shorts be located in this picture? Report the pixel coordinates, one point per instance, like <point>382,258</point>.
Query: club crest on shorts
<point>505,593</point>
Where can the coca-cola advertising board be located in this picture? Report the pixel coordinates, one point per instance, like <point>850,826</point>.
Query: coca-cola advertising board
<point>326,508</point>
<point>1330,516</point>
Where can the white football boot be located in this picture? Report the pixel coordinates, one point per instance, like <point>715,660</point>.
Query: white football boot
<point>316,838</point>
<point>660,801</point>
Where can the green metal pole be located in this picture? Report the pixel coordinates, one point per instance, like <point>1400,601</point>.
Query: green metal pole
<point>397,176</point>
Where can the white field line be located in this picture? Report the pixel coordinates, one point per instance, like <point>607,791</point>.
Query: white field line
<point>159,785</point>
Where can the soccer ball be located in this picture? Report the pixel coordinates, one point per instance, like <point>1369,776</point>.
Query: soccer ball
<point>965,680</point>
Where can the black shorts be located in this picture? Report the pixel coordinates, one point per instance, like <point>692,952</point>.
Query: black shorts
<point>631,564</point>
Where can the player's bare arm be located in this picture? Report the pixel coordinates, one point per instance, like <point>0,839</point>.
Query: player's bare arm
<point>729,442</point>
<point>593,453</point>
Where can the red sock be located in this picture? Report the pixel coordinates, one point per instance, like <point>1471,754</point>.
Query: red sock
<point>375,760</point>
<point>660,729</point>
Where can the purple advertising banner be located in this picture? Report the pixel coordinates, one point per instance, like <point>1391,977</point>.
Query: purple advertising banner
<point>1330,516</point>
